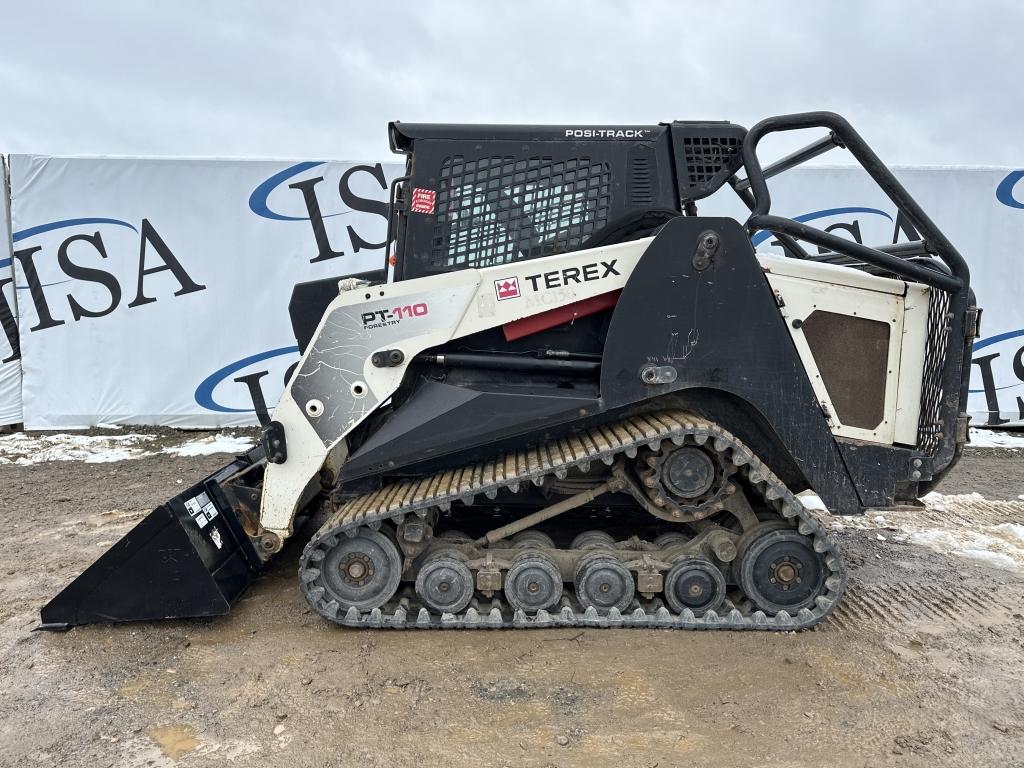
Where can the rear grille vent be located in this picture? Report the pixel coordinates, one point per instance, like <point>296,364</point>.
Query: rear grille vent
<point>706,156</point>
<point>641,185</point>
<point>929,427</point>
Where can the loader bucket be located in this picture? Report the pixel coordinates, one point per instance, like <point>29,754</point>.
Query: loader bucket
<point>188,557</point>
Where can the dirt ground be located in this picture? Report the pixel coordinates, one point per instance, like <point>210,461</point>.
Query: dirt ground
<point>923,664</point>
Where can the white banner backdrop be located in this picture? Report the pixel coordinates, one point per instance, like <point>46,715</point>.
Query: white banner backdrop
<point>10,363</point>
<point>147,286</point>
<point>981,211</point>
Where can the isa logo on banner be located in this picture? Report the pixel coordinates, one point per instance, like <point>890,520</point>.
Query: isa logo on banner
<point>329,197</point>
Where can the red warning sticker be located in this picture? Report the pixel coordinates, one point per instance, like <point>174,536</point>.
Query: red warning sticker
<point>423,200</point>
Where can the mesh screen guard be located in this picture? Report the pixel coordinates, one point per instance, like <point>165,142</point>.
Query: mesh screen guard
<point>500,209</point>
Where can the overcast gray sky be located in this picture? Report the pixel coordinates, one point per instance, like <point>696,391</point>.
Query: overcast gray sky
<point>925,82</point>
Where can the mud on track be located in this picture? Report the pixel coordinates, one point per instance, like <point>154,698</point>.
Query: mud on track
<point>922,665</point>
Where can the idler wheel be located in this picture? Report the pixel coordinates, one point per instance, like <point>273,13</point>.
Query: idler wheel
<point>533,582</point>
<point>532,539</point>
<point>603,582</point>
<point>779,569</point>
<point>362,571</point>
<point>694,582</point>
<point>593,540</point>
<point>445,584</point>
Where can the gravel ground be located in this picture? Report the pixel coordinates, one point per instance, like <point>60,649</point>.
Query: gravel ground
<point>922,665</point>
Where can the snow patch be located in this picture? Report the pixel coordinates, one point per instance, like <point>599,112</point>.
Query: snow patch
<point>990,438</point>
<point>1014,530</point>
<point>23,448</point>
<point>1000,546</point>
<point>940,501</point>
<point>26,448</point>
<point>812,501</point>
<point>210,444</point>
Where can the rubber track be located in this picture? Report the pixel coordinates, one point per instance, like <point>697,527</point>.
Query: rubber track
<point>515,469</point>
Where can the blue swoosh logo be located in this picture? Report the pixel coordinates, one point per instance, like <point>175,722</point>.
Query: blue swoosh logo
<point>31,231</point>
<point>258,200</point>
<point>204,392</point>
<point>995,340</point>
<point>1004,192</point>
<point>760,237</point>
<point>5,263</point>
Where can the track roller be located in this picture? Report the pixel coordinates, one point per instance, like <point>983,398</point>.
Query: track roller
<point>696,583</point>
<point>533,582</point>
<point>673,539</point>
<point>362,571</point>
<point>445,583</point>
<point>533,540</point>
<point>603,582</point>
<point>779,569</point>
<point>593,540</point>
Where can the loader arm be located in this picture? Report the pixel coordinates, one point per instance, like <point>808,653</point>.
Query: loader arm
<point>337,385</point>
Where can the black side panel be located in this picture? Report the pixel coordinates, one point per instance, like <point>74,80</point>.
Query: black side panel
<point>310,300</point>
<point>720,328</point>
<point>459,425</point>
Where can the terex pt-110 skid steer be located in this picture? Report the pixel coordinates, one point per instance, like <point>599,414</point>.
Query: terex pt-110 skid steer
<point>578,402</point>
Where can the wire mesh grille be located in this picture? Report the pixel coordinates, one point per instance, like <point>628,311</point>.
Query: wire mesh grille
<point>707,155</point>
<point>497,210</point>
<point>929,426</point>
